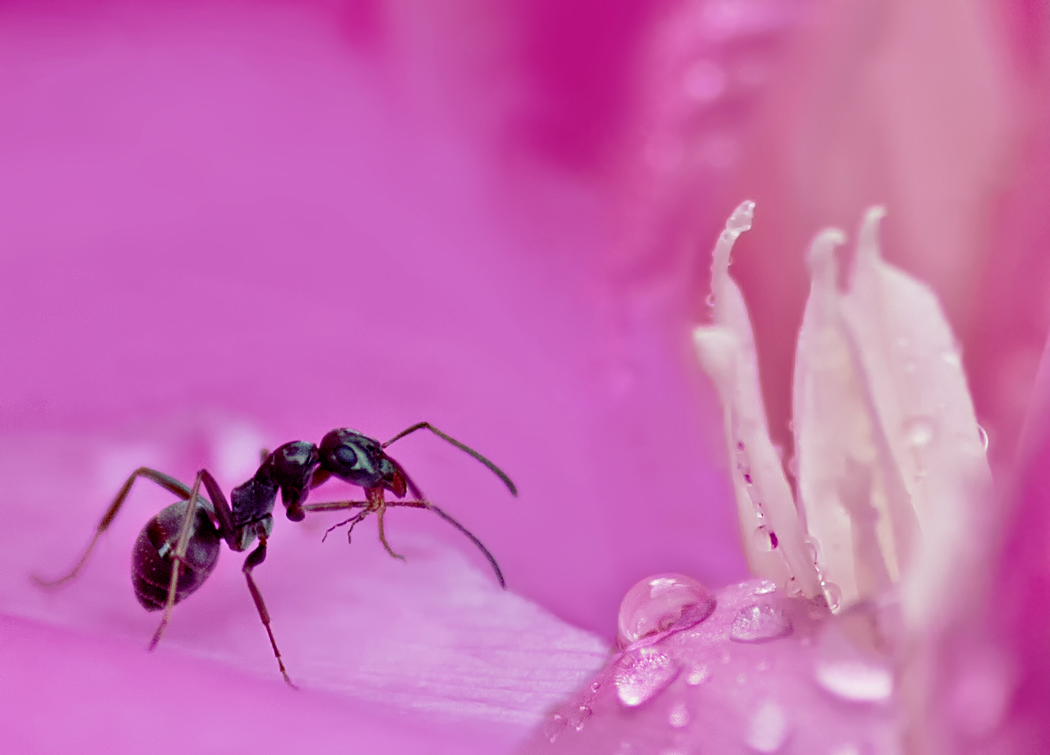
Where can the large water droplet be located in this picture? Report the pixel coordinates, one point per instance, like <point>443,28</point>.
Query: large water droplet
<point>679,716</point>
<point>642,674</point>
<point>856,680</point>
<point>664,603</point>
<point>759,623</point>
<point>767,729</point>
<point>919,431</point>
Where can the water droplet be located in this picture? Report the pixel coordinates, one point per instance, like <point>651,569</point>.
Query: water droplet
<point>679,716</point>
<point>642,674</point>
<point>856,680</point>
<point>704,81</point>
<point>832,594</point>
<point>918,431</point>
<point>765,587</point>
<point>595,686</point>
<point>813,549</point>
<point>709,300</point>
<point>759,623</point>
<point>793,588</point>
<point>664,603</point>
<point>741,680</point>
<point>983,435</point>
<point>764,538</point>
<point>698,675</point>
<point>768,729</point>
<point>578,717</point>
<point>764,665</point>
<point>553,726</point>
<point>952,358</point>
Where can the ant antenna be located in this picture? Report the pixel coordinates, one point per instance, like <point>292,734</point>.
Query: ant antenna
<point>466,449</point>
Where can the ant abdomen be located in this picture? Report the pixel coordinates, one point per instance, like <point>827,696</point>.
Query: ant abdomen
<point>151,559</point>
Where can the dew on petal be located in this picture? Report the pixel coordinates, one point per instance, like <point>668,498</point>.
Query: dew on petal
<point>765,587</point>
<point>768,728</point>
<point>983,435</point>
<point>553,726</point>
<point>679,716</point>
<point>760,622</point>
<point>698,675</point>
<point>663,603</point>
<point>741,218</point>
<point>579,716</point>
<point>855,680</point>
<point>642,674</point>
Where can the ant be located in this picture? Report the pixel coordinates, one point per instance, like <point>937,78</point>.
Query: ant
<point>178,548</point>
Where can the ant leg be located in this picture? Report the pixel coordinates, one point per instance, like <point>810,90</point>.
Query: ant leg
<point>462,447</point>
<point>352,521</point>
<point>168,483</point>
<point>382,534</point>
<point>255,558</point>
<point>177,558</point>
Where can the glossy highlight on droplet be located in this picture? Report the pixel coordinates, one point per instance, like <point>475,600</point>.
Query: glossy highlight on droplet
<point>857,681</point>
<point>662,603</point>
<point>642,674</point>
<point>760,622</point>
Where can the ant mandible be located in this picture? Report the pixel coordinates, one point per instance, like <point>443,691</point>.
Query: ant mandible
<point>178,548</point>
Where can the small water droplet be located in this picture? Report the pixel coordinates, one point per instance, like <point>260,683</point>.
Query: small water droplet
<point>952,358</point>
<point>767,729</point>
<point>553,726</point>
<point>856,680</point>
<point>918,431</point>
<point>764,539</point>
<point>642,674</point>
<point>679,716</point>
<point>832,594</point>
<point>765,587</point>
<point>595,686</point>
<point>813,549</point>
<point>793,588</point>
<point>741,680</point>
<point>759,623</point>
<point>578,717</point>
<point>698,675</point>
<point>709,300</point>
<point>763,665</point>
<point>663,603</point>
<point>983,435</point>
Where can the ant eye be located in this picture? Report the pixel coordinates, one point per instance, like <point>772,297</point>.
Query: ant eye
<point>347,457</point>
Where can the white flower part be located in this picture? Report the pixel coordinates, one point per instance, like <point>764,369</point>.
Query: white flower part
<point>892,471</point>
<point>773,537</point>
<point>909,355</point>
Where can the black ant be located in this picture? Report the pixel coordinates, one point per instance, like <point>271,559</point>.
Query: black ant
<point>178,548</point>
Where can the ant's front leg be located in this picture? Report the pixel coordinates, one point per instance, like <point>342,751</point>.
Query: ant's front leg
<point>255,558</point>
<point>168,483</point>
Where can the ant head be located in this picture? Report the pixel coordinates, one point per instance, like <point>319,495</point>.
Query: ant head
<point>292,467</point>
<point>361,460</point>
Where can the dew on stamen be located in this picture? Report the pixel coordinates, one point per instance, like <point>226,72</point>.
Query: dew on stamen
<point>662,603</point>
<point>832,594</point>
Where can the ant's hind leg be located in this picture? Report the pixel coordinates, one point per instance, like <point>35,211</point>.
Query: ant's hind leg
<point>168,483</point>
<point>177,558</point>
<point>255,558</point>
